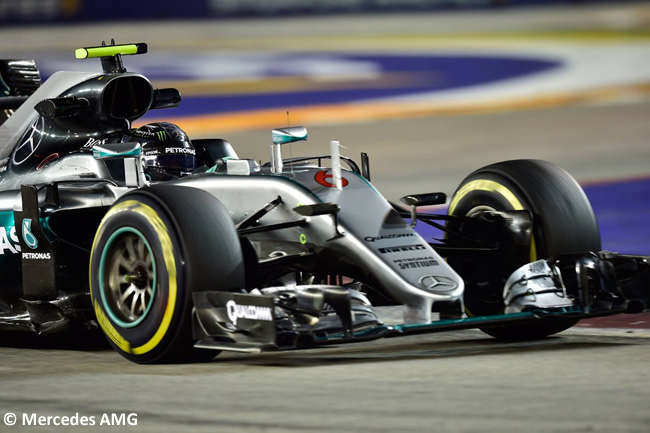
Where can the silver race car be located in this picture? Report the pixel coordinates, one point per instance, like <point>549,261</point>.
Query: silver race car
<point>178,249</point>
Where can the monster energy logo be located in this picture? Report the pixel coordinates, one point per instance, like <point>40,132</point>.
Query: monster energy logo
<point>159,135</point>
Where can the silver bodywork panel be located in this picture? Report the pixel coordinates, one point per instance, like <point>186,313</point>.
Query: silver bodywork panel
<point>373,235</point>
<point>69,167</point>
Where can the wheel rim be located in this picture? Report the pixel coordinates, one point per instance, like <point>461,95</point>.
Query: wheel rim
<point>127,277</point>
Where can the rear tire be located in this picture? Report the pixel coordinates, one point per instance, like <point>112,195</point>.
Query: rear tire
<point>152,250</point>
<point>563,222</point>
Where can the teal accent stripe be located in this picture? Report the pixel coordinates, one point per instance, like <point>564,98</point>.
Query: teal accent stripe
<point>449,325</point>
<point>7,218</point>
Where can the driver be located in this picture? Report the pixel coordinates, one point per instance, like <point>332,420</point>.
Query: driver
<point>167,152</point>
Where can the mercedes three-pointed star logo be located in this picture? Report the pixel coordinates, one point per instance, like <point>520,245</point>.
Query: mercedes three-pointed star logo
<point>437,283</point>
<point>31,140</point>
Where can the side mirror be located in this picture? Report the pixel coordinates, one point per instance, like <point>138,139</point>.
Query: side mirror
<point>283,136</point>
<point>289,135</point>
<point>429,199</point>
<point>130,153</point>
<point>117,150</point>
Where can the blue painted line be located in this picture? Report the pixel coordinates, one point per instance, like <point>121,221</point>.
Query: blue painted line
<point>428,73</point>
<point>623,213</point>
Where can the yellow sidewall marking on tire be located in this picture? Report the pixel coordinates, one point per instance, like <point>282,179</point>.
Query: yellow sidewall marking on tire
<point>489,186</point>
<point>492,186</point>
<point>168,256</point>
<point>110,330</point>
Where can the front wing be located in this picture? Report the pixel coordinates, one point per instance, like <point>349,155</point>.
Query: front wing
<point>256,323</point>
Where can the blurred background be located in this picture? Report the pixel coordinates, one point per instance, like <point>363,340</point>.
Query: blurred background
<point>431,89</point>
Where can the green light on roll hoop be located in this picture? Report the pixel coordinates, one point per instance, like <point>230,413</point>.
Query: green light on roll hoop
<point>111,50</point>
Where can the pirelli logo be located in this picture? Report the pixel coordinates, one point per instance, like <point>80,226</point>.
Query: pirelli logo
<point>402,248</point>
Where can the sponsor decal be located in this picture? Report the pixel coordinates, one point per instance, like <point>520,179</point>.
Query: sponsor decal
<point>37,256</point>
<point>394,236</point>
<point>160,135</point>
<point>437,283</point>
<point>143,133</point>
<point>28,236</point>
<point>9,241</point>
<point>93,142</point>
<point>250,312</point>
<point>401,248</point>
<point>324,179</point>
<point>180,150</point>
<point>418,262</point>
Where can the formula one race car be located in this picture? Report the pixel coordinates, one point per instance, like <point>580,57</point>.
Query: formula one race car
<point>178,249</point>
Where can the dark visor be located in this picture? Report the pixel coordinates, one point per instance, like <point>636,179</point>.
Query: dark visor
<point>181,162</point>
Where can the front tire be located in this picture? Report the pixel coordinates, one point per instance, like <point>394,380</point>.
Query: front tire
<point>563,222</point>
<point>152,250</point>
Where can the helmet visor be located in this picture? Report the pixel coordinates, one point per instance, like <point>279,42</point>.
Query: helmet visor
<point>185,162</point>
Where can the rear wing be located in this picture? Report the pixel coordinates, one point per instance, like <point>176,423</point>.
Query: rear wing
<point>18,80</point>
<point>18,77</point>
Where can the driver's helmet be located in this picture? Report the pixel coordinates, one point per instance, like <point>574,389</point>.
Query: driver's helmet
<point>167,152</point>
